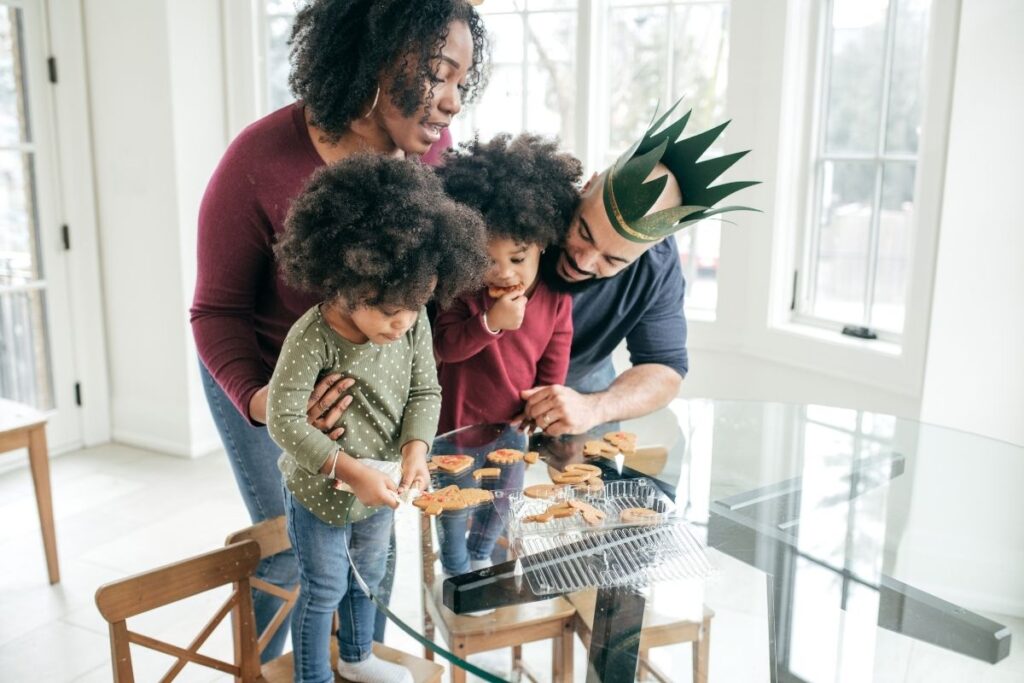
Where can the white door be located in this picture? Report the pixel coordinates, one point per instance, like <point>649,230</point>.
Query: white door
<point>36,323</point>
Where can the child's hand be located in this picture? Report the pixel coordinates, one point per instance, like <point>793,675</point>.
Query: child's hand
<point>414,471</point>
<point>508,312</point>
<point>372,487</point>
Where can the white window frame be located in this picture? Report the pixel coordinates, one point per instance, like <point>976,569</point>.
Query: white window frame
<point>777,103</point>
<point>808,238</point>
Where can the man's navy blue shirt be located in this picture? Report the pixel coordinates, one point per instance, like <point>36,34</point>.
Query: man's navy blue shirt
<point>643,305</point>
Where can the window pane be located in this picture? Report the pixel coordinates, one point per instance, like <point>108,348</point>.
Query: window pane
<point>549,4</point>
<point>698,255</point>
<point>499,110</point>
<point>279,29</point>
<point>854,95</point>
<point>904,115</point>
<point>19,250</point>
<point>24,358</point>
<point>551,75</point>
<point>700,61</point>
<point>636,79</point>
<point>505,32</point>
<point>844,230</point>
<point>13,117</point>
<point>894,246</point>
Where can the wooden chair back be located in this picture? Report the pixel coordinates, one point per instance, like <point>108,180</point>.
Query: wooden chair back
<point>272,537</point>
<point>121,600</point>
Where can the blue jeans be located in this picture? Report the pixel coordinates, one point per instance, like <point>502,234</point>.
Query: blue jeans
<point>253,457</point>
<point>327,584</point>
<point>456,550</point>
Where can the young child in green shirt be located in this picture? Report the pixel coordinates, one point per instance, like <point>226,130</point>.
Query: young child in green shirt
<point>374,238</point>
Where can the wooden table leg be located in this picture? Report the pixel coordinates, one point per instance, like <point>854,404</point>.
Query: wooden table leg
<point>39,462</point>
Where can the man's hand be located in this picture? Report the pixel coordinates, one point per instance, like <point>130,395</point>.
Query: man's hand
<point>507,313</point>
<point>326,404</point>
<point>414,467</point>
<point>560,410</point>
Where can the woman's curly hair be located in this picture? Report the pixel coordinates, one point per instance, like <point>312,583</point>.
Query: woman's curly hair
<point>342,49</point>
<point>524,187</point>
<point>379,231</point>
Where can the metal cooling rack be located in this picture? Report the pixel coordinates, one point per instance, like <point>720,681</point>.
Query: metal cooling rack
<point>568,554</point>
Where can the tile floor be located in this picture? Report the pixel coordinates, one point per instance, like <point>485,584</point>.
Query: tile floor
<point>120,510</point>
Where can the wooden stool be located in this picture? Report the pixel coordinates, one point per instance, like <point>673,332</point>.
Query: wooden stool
<point>658,630</point>
<point>22,426</point>
<point>506,627</point>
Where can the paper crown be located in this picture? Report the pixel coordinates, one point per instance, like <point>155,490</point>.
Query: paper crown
<point>628,196</point>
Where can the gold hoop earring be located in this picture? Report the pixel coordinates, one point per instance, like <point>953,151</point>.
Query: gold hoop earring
<point>373,106</point>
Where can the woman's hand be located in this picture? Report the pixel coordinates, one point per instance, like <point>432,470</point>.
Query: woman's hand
<point>323,409</point>
<point>326,404</point>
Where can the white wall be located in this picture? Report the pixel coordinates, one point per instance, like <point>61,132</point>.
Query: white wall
<point>157,123</point>
<point>974,377</point>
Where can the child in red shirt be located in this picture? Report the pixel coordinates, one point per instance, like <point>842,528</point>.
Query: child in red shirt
<point>515,333</point>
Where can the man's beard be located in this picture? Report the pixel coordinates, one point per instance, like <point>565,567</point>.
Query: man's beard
<point>554,280</point>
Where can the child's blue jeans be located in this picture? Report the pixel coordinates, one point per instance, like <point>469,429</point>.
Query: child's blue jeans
<point>327,584</point>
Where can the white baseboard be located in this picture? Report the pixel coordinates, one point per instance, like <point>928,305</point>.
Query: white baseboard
<point>168,447</point>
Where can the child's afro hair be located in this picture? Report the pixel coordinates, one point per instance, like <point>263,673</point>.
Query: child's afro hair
<point>342,49</point>
<point>379,231</point>
<point>524,187</point>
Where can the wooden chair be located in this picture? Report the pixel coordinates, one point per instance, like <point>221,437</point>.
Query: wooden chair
<point>658,631</point>
<point>272,538</point>
<point>22,426</point>
<point>234,565</point>
<point>511,626</point>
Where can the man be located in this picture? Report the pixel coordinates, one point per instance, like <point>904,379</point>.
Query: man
<point>626,280</point>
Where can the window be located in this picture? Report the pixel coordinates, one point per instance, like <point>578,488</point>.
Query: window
<point>640,54</point>
<point>857,239</point>
<point>25,372</point>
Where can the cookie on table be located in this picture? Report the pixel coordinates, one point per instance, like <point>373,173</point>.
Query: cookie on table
<point>592,485</point>
<point>591,470</point>
<point>476,496</point>
<point>436,502</point>
<point>592,449</point>
<point>505,456</point>
<point>486,473</point>
<point>452,464</point>
<point>639,516</point>
<point>542,491</point>
<point>624,441</point>
<point>570,477</point>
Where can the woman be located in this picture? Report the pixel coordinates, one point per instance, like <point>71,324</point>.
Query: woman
<point>369,75</point>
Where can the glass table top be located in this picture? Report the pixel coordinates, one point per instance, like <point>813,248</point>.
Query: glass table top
<point>843,545</point>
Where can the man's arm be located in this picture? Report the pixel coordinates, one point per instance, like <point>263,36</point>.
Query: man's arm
<point>640,390</point>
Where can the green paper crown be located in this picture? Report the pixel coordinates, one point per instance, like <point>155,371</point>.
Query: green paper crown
<point>628,197</point>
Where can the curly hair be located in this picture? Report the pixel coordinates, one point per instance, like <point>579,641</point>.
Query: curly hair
<point>379,231</point>
<point>524,187</point>
<point>342,49</point>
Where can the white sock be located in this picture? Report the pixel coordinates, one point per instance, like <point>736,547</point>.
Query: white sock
<point>477,565</point>
<point>373,670</point>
